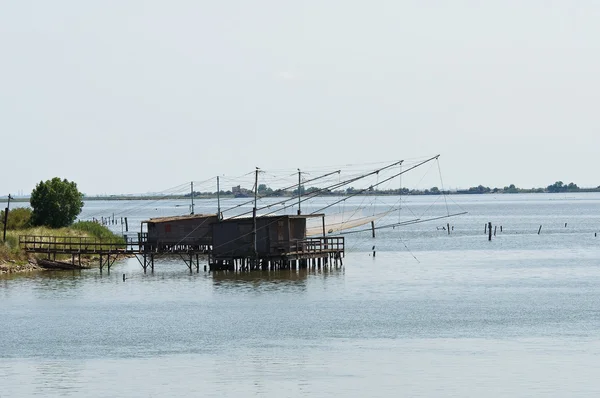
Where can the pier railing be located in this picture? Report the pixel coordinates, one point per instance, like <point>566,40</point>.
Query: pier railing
<point>69,244</point>
<point>320,245</point>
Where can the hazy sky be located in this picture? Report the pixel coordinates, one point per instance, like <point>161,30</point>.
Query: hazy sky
<point>137,96</point>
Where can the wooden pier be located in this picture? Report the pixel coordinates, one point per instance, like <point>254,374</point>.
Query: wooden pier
<point>312,252</point>
<point>109,251</point>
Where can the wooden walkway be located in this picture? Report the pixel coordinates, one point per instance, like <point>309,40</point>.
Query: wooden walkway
<point>73,245</point>
<point>107,250</point>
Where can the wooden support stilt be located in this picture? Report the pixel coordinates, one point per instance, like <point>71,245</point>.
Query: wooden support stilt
<point>489,227</point>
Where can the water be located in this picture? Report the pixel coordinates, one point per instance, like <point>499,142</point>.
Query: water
<point>431,315</point>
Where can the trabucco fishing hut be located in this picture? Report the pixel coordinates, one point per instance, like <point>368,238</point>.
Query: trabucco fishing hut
<point>271,242</point>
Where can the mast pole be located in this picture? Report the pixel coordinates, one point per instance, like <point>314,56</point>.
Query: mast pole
<point>6,217</point>
<point>299,193</point>
<point>254,212</point>
<point>218,200</point>
<point>192,196</point>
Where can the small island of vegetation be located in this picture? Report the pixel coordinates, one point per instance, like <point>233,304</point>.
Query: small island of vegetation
<point>55,205</point>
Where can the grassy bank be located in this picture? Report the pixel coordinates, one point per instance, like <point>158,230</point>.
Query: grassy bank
<point>12,258</point>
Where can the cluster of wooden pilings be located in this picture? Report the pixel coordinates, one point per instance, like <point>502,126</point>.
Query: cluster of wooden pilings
<point>487,229</point>
<point>241,264</point>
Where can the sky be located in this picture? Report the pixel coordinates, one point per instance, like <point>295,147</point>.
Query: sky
<point>131,96</point>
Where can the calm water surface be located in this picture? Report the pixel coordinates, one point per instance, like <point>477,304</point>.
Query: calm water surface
<point>431,315</point>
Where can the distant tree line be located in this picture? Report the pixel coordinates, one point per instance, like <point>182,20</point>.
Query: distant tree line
<point>265,191</point>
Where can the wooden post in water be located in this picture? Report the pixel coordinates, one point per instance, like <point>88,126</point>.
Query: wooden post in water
<point>448,225</point>
<point>373,228</point>
<point>324,239</point>
<point>540,230</point>
<point>489,229</point>
<point>126,226</point>
<point>485,228</point>
<point>500,228</point>
<point>374,251</point>
<point>495,226</point>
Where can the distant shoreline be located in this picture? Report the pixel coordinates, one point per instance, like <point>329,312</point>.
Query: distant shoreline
<point>207,197</point>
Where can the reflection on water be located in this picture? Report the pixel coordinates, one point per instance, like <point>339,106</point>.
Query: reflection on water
<point>265,281</point>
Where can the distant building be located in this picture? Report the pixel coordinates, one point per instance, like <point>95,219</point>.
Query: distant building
<point>240,192</point>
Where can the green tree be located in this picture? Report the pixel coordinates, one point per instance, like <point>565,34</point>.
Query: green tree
<point>572,187</point>
<point>479,189</point>
<point>511,189</point>
<point>56,203</point>
<point>262,188</point>
<point>559,186</point>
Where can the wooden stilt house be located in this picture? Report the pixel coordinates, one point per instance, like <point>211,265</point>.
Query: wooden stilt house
<point>274,237</point>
